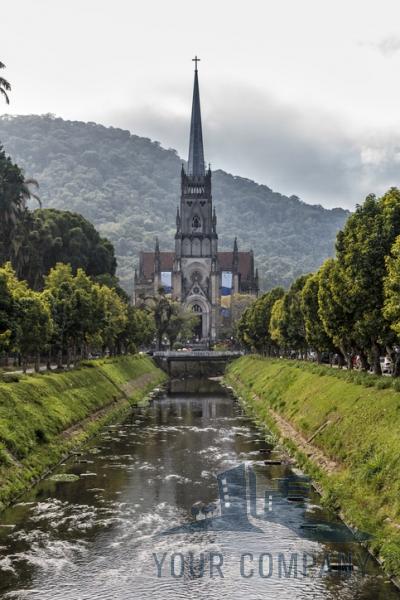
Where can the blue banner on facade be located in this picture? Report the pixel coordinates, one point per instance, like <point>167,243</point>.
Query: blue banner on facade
<point>166,281</point>
<point>226,283</point>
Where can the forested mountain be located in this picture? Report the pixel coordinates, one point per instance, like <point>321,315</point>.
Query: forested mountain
<point>128,187</point>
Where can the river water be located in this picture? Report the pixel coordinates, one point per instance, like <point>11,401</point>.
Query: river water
<point>125,530</point>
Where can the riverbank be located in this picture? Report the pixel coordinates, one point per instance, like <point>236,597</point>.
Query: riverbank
<point>344,435</point>
<point>43,417</point>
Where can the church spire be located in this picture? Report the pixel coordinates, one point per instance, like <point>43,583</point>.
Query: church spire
<point>196,151</point>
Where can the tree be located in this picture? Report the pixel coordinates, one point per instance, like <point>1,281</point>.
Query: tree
<point>28,315</point>
<point>287,321</point>
<point>316,335</point>
<point>51,236</point>
<point>277,324</point>
<point>239,304</point>
<point>59,291</point>
<point>335,308</point>
<point>171,320</point>
<point>15,192</point>
<point>139,329</point>
<point>7,311</point>
<point>34,326</point>
<point>162,310</point>
<point>181,324</point>
<point>391,309</point>
<point>361,249</point>
<point>114,316</point>
<point>4,85</point>
<point>253,327</point>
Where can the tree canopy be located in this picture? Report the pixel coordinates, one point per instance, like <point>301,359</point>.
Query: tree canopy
<point>351,304</point>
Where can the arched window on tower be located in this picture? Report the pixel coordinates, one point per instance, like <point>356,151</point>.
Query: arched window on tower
<point>196,223</point>
<point>196,308</point>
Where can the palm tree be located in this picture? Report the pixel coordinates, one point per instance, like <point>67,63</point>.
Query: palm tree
<point>15,191</point>
<point>4,85</point>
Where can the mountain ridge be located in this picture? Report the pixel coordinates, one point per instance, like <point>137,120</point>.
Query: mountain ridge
<point>129,187</point>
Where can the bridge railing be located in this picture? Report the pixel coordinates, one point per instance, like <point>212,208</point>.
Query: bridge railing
<point>199,354</point>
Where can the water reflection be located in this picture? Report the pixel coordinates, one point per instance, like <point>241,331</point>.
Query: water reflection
<point>102,536</point>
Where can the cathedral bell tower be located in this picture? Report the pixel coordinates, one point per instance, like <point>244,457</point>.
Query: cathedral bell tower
<point>196,226</point>
<point>196,272</point>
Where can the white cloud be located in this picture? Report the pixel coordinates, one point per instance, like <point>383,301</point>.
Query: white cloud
<point>290,96</point>
<point>389,45</point>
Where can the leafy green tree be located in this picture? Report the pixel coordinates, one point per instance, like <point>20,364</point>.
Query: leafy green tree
<point>29,317</point>
<point>139,330</point>
<point>162,310</point>
<point>253,328</point>
<point>88,316</point>
<point>287,320</point>
<point>181,324</point>
<point>51,236</point>
<point>34,326</point>
<point>391,309</point>
<point>392,288</point>
<point>316,335</point>
<point>170,319</point>
<point>59,291</point>
<point>8,315</point>
<point>277,324</point>
<point>239,303</point>
<point>114,317</point>
<point>361,249</point>
<point>335,308</point>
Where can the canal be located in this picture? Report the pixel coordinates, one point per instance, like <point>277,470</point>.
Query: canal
<point>137,515</point>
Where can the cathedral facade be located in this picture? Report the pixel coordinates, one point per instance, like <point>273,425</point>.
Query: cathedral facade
<point>196,274</point>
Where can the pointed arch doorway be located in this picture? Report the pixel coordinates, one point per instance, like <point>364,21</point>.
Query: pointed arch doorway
<point>199,306</point>
<point>198,328</point>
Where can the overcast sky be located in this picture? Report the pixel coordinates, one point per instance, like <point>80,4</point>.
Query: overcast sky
<point>303,95</point>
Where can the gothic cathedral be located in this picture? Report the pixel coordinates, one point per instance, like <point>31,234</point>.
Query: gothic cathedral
<point>196,273</point>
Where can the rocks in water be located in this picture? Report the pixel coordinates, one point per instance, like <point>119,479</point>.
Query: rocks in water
<point>341,566</point>
<point>272,462</point>
<point>64,477</point>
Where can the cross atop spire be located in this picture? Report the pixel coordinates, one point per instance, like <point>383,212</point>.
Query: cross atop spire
<point>195,60</point>
<point>196,151</point>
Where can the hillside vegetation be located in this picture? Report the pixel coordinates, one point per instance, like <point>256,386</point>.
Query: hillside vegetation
<point>128,187</point>
<point>355,426</point>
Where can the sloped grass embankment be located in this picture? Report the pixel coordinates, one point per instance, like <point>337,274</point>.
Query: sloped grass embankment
<point>352,422</point>
<point>43,417</point>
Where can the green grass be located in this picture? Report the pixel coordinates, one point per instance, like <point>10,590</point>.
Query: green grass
<point>36,412</point>
<point>363,437</point>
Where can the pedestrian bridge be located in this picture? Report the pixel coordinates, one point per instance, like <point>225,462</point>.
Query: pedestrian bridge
<point>196,363</point>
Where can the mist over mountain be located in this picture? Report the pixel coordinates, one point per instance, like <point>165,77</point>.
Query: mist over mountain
<point>129,187</point>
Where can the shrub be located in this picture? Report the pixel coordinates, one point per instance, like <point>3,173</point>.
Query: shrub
<point>10,377</point>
